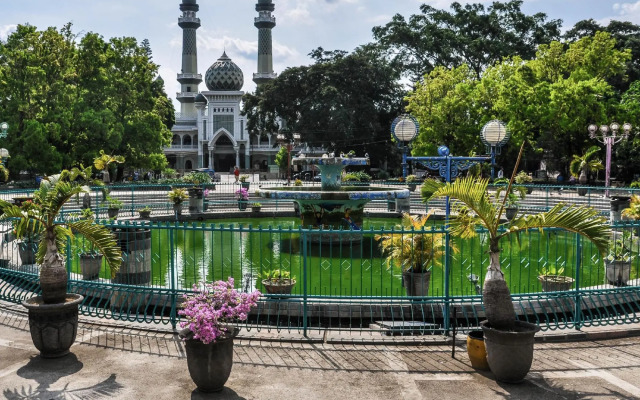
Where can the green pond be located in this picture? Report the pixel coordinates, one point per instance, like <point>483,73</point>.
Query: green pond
<point>244,248</point>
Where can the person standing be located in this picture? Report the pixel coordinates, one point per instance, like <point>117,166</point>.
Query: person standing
<point>236,173</point>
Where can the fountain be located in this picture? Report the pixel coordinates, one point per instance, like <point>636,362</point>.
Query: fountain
<point>332,206</point>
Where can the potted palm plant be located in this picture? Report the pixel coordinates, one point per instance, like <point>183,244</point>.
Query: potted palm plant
<point>552,279</point>
<point>90,259</point>
<point>412,182</point>
<point>413,249</point>
<point>277,281</point>
<point>209,314</point>
<point>581,166</point>
<point>113,207</point>
<point>53,316</point>
<point>144,212</point>
<point>524,179</point>
<point>196,193</point>
<point>244,181</point>
<point>512,196</point>
<point>617,263</point>
<point>509,341</point>
<point>177,196</point>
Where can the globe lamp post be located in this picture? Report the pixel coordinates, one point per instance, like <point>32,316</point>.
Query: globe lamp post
<point>405,129</point>
<point>608,135</point>
<point>494,135</point>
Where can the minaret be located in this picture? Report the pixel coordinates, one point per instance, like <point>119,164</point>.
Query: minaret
<point>189,78</point>
<point>264,22</point>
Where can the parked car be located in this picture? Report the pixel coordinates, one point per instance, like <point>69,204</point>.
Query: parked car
<point>317,178</point>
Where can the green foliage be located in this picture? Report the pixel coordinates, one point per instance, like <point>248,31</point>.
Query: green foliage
<point>67,95</point>
<point>282,158</point>
<point>178,195</point>
<point>346,98</point>
<point>256,205</point>
<point>551,269</point>
<point>297,182</point>
<point>585,163</point>
<point>411,246</point>
<point>633,211</point>
<point>469,33</point>
<point>350,177</point>
<point>522,178</point>
<point>113,203</point>
<point>277,275</point>
<point>412,179</point>
<point>144,209</point>
<point>620,248</point>
<point>635,185</point>
<point>196,178</point>
<point>243,178</point>
<point>548,101</point>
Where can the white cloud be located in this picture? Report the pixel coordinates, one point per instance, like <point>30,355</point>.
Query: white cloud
<point>628,11</point>
<point>6,30</point>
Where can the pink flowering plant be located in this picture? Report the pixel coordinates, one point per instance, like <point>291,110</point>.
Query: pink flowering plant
<point>211,309</point>
<point>242,194</point>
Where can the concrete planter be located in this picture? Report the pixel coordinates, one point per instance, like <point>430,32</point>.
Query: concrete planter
<point>53,327</point>
<point>416,284</point>
<point>555,283</point>
<point>209,364</point>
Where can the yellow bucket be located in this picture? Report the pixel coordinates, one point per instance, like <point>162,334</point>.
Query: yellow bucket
<point>476,350</point>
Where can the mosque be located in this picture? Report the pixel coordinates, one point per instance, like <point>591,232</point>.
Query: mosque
<point>209,131</point>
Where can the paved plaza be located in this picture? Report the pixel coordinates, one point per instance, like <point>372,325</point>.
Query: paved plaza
<point>125,361</point>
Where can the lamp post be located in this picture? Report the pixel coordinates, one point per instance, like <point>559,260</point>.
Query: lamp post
<point>404,128</point>
<point>3,129</point>
<point>494,135</point>
<point>608,135</point>
<point>284,140</point>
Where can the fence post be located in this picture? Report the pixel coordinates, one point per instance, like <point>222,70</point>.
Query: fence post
<point>447,272</point>
<point>133,192</point>
<point>305,317</point>
<point>172,286</point>
<point>577,315</point>
<point>69,261</point>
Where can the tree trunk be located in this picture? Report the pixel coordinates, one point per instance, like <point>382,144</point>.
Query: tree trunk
<point>582,179</point>
<point>496,296</point>
<point>53,274</point>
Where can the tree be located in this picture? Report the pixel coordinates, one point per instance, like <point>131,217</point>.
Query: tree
<point>282,158</point>
<point>548,101</point>
<point>470,34</point>
<point>581,165</point>
<point>627,36</point>
<point>66,97</point>
<point>346,99</point>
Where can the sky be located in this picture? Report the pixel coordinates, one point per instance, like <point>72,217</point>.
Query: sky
<point>302,25</point>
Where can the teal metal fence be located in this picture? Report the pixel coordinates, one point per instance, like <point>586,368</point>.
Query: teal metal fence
<point>342,280</point>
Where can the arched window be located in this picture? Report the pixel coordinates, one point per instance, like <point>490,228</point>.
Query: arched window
<point>186,140</point>
<point>188,165</point>
<point>176,140</point>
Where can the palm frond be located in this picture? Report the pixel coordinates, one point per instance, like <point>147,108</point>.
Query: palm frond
<point>473,194</point>
<point>582,220</point>
<point>103,239</point>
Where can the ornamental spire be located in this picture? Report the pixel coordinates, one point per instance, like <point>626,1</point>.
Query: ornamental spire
<point>189,78</point>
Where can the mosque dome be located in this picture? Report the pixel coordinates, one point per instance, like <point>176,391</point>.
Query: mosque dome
<point>200,99</point>
<point>224,74</point>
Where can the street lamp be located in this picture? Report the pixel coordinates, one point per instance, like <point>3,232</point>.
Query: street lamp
<point>494,135</point>
<point>608,136</point>
<point>404,128</point>
<point>284,140</point>
<point>3,130</point>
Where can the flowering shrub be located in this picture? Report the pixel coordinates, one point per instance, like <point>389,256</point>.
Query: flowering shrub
<point>210,309</point>
<point>242,194</point>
